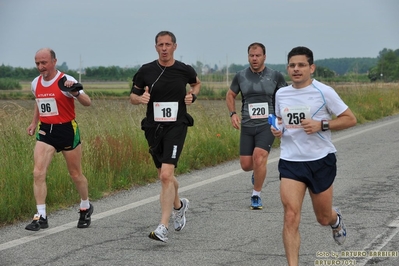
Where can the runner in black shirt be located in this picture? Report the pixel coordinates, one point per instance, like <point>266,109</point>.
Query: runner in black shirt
<point>161,85</point>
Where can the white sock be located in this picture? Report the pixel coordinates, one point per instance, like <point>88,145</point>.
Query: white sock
<point>255,193</point>
<point>84,204</point>
<point>41,210</point>
<point>336,223</point>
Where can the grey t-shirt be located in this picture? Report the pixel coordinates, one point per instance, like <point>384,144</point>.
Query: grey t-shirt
<point>256,88</point>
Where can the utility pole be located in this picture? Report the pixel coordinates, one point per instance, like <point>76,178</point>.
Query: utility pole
<point>227,70</point>
<point>80,68</point>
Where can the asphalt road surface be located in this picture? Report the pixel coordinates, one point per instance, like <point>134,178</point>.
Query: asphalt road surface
<point>221,229</point>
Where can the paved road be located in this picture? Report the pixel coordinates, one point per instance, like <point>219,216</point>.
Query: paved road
<point>221,229</point>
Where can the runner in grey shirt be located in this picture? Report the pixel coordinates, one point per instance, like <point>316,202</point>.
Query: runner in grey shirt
<point>257,85</point>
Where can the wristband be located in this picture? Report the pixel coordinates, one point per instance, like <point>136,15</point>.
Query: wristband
<point>194,97</point>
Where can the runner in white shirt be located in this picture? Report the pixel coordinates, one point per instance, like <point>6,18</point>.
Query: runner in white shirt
<point>305,111</point>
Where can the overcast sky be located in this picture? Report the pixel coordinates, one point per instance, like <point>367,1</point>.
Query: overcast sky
<point>91,33</point>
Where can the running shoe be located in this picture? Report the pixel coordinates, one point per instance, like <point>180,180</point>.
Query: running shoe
<point>256,203</point>
<point>85,217</point>
<point>37,223</point>
<point>160,234</point>
<point>179,216</point>
<point>253,179</point>
<point>339,233</point>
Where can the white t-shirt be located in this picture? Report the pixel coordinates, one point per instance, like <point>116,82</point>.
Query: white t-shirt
<point>316,101</point>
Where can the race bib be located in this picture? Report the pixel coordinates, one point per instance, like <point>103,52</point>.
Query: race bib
<point>258,110</point>
<point>47,106</point>
<point>165,111</point>
<point>292,116</point>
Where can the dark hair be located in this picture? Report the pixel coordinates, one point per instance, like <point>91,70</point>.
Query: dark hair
<point>301,50</point>
<point>163,33</point>
<point>255,44</point>
<point>52,53</point>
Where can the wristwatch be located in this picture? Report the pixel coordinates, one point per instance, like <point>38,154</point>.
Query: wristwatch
<point>324,125</point>
<point>194,97</point>
<point>232,113</point>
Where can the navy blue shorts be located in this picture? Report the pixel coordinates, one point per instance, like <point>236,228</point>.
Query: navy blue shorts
<point>318,175</point>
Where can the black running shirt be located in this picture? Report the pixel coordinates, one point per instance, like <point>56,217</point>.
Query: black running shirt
<point>166,84</point>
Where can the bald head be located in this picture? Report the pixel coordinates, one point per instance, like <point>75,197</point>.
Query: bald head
<point>46,61</point>
<point>47,50</point>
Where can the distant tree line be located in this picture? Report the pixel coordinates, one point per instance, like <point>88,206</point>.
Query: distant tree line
<point>112,73</point>
<point>385,68</point>
<point>343,66</point>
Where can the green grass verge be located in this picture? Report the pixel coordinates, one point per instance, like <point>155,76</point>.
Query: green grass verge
<point>115,153</point>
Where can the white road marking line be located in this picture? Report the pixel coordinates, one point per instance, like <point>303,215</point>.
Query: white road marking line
<point>47,232</point>
<point>378,243</point>
<point>394,223</point>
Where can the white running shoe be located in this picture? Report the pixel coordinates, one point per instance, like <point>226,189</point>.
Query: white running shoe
<point>160,234</point>
<point>179,216</point>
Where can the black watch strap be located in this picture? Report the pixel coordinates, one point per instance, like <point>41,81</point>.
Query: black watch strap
<point>194,97</point>
<point>232,113</point>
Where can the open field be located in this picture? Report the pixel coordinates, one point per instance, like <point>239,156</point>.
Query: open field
<point>210,90</point>
<point>121,85</point>
<point>89,86</point>
<point>115,153</point>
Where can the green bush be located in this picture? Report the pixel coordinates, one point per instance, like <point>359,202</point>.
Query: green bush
<point>9,84</point>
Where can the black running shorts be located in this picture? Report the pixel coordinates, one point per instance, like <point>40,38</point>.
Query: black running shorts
<point>251,137</point>
<point>166,143</point>
<point>63,137</point>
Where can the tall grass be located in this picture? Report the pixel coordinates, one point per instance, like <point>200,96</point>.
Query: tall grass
<point>115,152</point>
<point>9,84</point>
<point>370,102</point>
